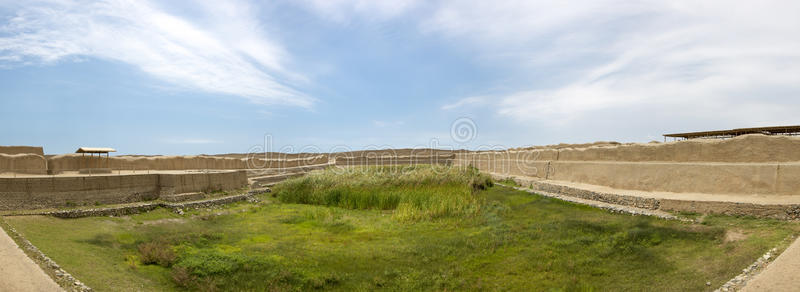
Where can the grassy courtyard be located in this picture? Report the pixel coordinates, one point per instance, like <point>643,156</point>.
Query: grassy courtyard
<point>418,228</point>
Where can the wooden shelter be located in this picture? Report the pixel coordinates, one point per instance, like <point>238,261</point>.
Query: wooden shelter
<point>724,134</point>
<point>95,150</point>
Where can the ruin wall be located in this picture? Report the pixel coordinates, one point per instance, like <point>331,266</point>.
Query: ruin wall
<point>23,163</point>
<point>746,165</point>
<point>65,191</point>
<point>38,150</point>
<point>72,162</point>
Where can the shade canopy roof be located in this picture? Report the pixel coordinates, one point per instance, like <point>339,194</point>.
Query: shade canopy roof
<point>95,150</point>
<point>780,130</point>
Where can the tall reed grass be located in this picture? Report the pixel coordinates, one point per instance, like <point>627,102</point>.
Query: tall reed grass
<point>417,192</point>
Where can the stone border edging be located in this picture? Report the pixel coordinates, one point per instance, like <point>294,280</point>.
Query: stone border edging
<point>738,282</point>
<point>614,208</point>
<point>144,207</point>
<point>136,209</point>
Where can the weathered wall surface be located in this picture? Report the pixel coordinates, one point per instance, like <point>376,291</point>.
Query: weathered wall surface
<point>72,162</point>
<point>261,163</point>
<point>747,165</point>
<point>22,150</point>
<point>747,148</point>
<point>201,182</point>
<point>754,178</point>
<point>47,192</point>
<point>394,160</point>
<point>23,163</point>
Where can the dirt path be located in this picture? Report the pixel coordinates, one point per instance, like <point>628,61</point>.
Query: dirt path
<point>781,275</point>
<point>18,272</point>
<point>699,197</point>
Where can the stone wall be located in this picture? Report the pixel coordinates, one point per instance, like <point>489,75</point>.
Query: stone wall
<point>60,191</point>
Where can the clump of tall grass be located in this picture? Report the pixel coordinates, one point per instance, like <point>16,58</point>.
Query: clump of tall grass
<point>158,253</point>
<point>414,192</point>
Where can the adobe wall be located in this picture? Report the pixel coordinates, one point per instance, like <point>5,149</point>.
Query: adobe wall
<point>261,163</point>
<point>746,165</point>
<point>60,191</point>
<point>201,182</point>
<point>72,162</point>
<point>22,150</point>
<point>394,160</point>
<point>746,148</point>
<point>23,163</point>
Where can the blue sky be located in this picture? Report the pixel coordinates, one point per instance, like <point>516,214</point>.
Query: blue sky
<point>190,77</point>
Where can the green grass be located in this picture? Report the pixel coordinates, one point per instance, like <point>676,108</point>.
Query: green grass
<point>509,182</point>
<point>415,192</point>
<point>515,241</point>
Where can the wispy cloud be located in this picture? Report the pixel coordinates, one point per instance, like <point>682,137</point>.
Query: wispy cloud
<point>223,51</point>
<point>344,10</point>
<point>467,101</point>
<point>731,60</point>
<point>384,124</point>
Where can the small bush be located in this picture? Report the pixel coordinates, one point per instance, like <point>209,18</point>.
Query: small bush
<point>157,253</point>
<point>132,261</point>
<point>481,182</point>
<point>208,262</point>
<point>182,277</point>
<point>509,181</point>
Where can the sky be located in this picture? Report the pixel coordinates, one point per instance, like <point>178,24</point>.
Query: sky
<point>192,77</point>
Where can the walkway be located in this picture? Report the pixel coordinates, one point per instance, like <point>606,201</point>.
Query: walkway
<point>18,272</point>
<point>781,275</point>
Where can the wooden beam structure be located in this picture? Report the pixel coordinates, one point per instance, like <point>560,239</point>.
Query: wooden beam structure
<point>724,134</point>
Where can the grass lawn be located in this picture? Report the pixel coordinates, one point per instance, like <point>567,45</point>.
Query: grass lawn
<point>418,229</point>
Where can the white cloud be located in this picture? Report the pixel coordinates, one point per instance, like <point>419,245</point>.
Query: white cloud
<point>226,54</point>
<point>344,10</point>
<point>738,61</point>
<point>467,101</point>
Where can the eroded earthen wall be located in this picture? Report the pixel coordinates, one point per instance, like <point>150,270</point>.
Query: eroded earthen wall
<point>748,165</point>
<point>23,163</point>
<point>394,160</point>
<point>22,150</point>
<point>72,162</point>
